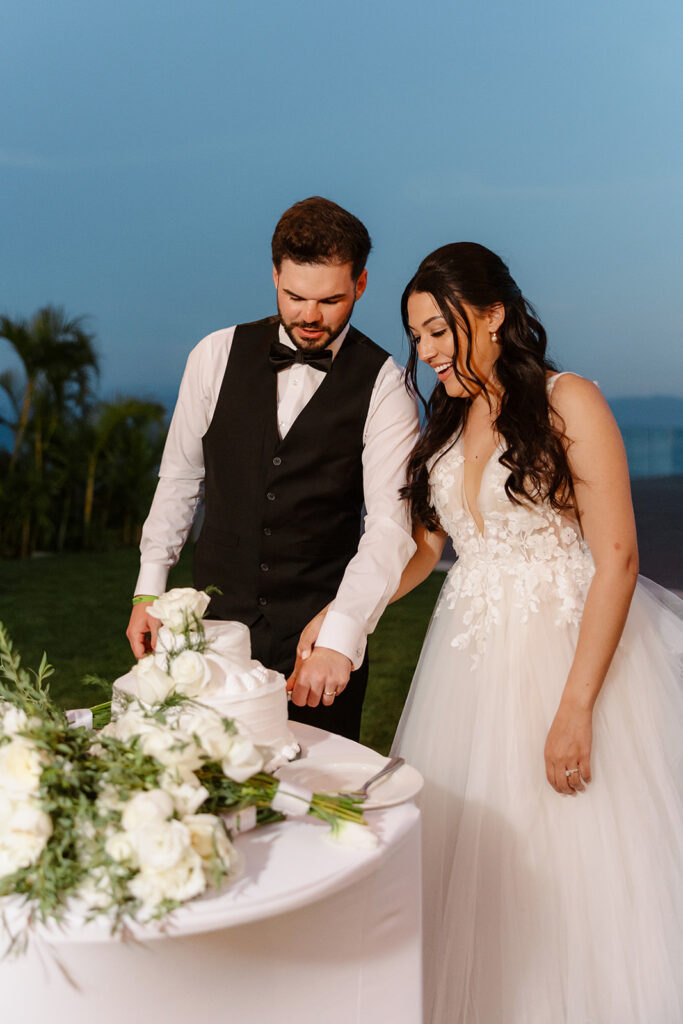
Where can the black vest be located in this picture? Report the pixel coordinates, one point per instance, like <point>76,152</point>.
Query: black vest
<point>283,517</point>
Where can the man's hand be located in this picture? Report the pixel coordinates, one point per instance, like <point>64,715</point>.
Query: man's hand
<point>142,630</point>
<point>321,677</point>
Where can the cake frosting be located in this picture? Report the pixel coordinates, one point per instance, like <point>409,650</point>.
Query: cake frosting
<point>231,682</point>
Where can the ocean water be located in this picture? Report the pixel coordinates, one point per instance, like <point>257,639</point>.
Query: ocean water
<point>654,451</point>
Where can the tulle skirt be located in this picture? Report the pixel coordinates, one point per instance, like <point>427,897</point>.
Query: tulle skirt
<point>540,908</point>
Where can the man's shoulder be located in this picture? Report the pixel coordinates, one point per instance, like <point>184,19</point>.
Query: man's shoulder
<point>367,343</point>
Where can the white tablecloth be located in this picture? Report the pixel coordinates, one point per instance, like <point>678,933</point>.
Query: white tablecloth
<point>312,932</point>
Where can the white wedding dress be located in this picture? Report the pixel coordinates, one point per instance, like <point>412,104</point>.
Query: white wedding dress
<point>540,908</point>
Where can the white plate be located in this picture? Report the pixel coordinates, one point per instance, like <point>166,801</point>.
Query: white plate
<point>339,774</point>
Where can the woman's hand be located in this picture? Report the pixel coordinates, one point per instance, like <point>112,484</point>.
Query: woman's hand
<point>568,749</point>
<point>304,648</point>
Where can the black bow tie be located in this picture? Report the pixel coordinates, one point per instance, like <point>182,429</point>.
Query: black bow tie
<point>282,356</point>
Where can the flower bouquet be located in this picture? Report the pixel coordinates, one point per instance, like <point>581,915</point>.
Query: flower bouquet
<point>133,820</point>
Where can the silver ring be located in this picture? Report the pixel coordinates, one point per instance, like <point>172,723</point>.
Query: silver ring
<point>570,771</point>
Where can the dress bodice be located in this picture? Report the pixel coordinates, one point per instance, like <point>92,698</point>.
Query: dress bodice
<point>539,552</point>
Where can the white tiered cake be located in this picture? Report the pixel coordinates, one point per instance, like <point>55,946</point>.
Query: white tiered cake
<point>236,686</point>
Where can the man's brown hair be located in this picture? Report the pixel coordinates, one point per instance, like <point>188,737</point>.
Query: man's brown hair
<point>316,230</point>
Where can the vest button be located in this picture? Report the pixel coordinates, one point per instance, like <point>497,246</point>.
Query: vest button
<point>262,601</point>
<point>267,531</point>
<point>263,567</point>
<point>277,461</point>
<point>270,496</point>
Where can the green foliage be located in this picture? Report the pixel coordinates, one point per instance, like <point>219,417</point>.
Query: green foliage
<point>81,472</point>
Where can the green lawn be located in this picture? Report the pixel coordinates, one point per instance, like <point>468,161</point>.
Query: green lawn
<point>76,608</point>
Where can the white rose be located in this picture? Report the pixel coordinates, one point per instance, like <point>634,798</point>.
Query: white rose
<point>96,890</point>
<point>12,719</point>
<point>132,722</point>
<point>352,833</point>
<point>169,642</point>
<point>120,846</point>
<point>152,684</point>
<point>171,747</point>
<point>23,837</point>
<point>20,767</point>
<point>190,671</point>
<point>161,844</point>
<point>178,607</point>
<point>185,790</point>
<point>7,808</point>
<point>109,799</point>
<point>181,882</point>
<point>210,730</point>
<point>208,836</point>
<point>242,760</point>
<point>152,805</point>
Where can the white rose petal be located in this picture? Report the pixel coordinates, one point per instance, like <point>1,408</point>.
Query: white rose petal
<point>181,882</point>
<point>190,671</point>
<point>242,760</point>
<point>20,767</point>
<point>152,805</point>
<point>169,642</point>
<point>208,836</point>
<point>12,719</point>
<point>109,799</point>
<point>161,844</point>
<point>96,891</point>
<point>120,847</point>
<point>352,833</point>
<point>152,684</point>
<point>25,833</point>
<point>209,728</point>
<point>179,606</point>
<point>185,790</point>
<point>171,747</point>
<point>131,723</point>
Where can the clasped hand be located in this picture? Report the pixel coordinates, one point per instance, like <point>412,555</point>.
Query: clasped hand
<point>320,674</point>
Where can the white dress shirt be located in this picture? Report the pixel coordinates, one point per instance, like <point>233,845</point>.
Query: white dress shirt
<point>390,431</point>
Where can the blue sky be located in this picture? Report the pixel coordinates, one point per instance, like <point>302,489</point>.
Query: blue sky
<point>148,148</point>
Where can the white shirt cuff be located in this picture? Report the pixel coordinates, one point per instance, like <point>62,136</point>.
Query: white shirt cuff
<point>152,579</point>
<point>342,633</point>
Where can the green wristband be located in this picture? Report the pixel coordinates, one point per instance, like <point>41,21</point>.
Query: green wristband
<point>139,598</point>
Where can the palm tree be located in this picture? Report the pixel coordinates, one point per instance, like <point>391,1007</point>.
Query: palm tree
<point>112,421</point>
<point>58,356</point>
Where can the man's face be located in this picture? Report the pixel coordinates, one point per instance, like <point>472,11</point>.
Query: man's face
<point>315,300</point>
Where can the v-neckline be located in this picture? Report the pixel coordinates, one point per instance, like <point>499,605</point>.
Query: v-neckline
<point>465,502</point>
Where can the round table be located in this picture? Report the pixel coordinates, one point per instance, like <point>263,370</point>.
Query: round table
<point>311,931</point>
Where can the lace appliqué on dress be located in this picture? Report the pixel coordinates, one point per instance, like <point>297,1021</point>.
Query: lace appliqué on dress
<point>531,549</point>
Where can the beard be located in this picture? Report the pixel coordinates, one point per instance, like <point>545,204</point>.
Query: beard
<point>329,333</point>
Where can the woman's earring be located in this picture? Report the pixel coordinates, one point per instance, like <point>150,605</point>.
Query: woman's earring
<point>494,337</point>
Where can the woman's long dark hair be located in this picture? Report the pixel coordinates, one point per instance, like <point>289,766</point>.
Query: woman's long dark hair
<point>465,272</point>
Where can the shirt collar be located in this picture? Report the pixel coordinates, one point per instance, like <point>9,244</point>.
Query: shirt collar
<point>333,347</point>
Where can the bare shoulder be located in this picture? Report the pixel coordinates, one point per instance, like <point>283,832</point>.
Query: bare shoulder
<point>581,406</point>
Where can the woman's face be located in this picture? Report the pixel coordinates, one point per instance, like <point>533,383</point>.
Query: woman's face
<point>436,348</point>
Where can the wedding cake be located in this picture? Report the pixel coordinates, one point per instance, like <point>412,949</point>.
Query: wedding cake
<point>212,664</point>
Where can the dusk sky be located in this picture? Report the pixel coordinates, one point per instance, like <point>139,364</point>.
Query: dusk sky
<point>148,148</point>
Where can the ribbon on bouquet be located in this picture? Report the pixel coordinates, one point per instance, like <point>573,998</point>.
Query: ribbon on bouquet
<point>80,717</point>
<point>294,801</point>
<point>240,821</point>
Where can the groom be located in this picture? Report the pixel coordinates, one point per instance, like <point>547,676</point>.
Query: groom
<point>290,425</point>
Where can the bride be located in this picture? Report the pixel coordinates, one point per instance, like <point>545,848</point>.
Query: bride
<point>546,709</point>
